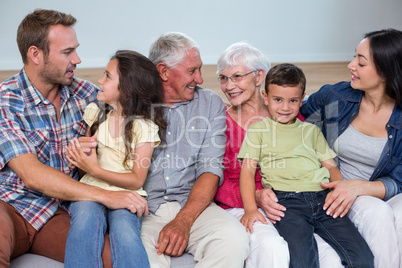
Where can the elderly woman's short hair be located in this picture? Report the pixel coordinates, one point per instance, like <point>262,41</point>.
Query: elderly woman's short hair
<point>243,54</point>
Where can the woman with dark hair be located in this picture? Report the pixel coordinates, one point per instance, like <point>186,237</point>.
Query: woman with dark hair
<point>362,121</point>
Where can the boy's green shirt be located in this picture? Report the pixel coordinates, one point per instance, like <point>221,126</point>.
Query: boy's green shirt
<point>289,155</point>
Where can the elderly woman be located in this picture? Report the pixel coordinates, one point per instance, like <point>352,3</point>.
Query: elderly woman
<point>242,70</point>
<point>362,121</point>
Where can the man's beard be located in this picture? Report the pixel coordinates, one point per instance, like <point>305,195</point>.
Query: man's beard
<point>52,75</point>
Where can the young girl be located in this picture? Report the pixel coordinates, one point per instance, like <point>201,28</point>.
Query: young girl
<point>129,98</point>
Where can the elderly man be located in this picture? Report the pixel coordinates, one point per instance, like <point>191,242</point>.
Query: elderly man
<point>187,169</point>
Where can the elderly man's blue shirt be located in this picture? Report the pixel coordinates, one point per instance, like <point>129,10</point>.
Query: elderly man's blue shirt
<point>195,144</point>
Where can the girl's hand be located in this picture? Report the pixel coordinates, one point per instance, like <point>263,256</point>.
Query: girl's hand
<point>249,218</point>
<point>341,198</point>
<point>77,157</point>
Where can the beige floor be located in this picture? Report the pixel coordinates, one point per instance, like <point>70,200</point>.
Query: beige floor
<point>317,74</point>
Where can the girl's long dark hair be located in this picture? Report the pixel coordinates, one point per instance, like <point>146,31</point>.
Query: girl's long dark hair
<point>140,96</point>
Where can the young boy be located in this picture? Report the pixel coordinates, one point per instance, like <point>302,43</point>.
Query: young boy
<point>294,158</point>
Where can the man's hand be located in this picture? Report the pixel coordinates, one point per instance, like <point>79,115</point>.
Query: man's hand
<point>173,238</point>
<point>54,183</point>
<point>267,201</point>
<point>130,200</point>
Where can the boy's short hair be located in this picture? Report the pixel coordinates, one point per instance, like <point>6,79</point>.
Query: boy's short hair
<point>286,74</point>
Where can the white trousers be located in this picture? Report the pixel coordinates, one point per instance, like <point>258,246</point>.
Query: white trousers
<point>267,247</point>
<point>216,238</point>
<point>380,224</point>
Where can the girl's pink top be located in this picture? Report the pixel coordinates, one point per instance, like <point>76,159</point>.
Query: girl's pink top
<point>228,194</point>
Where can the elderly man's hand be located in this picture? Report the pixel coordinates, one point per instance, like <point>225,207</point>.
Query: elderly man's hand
<point>173,238</point>
<point>266,199</point>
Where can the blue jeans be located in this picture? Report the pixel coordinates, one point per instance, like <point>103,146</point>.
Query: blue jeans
<point>89,222</point>
<point>304,216</point>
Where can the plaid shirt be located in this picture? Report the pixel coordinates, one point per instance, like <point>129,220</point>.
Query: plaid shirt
<point>28,125</point>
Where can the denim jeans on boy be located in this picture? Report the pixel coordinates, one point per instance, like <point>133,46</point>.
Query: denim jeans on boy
<point>89,222</point>
<point>304,216</point>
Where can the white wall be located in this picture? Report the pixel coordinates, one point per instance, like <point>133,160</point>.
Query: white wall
<point>285,30</point>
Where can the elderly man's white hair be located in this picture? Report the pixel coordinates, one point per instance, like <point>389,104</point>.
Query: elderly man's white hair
<point>171,48</point>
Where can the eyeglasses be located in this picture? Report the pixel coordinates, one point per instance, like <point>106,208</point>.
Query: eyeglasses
<point>236,78</point>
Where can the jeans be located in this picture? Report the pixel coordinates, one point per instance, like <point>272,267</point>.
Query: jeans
<point>305,216</point>
<point>89,222</point>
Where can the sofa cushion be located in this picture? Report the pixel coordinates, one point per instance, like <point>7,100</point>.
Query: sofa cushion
<point>29,260</point>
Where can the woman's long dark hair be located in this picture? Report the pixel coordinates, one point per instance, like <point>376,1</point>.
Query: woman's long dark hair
<point>141,96</point>
<point>386,50</point>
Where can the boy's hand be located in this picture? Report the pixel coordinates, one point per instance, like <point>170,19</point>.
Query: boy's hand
<point>250,217</point>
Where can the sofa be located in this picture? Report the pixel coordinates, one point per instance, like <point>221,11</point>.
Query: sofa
<point>29,260</point>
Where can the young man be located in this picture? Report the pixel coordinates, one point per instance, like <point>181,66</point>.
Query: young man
<point>40,112</point>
